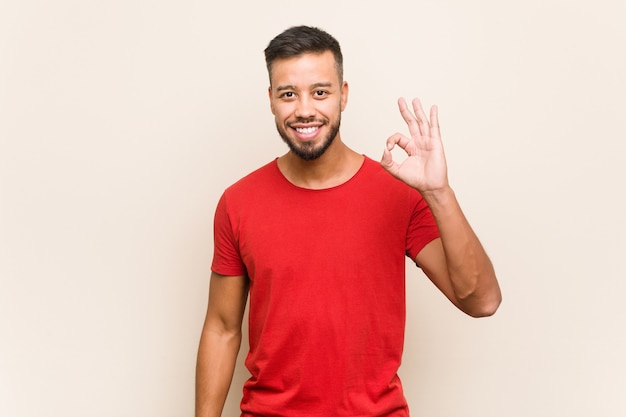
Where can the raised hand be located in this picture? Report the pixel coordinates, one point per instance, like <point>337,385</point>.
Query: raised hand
<point>425,168</point>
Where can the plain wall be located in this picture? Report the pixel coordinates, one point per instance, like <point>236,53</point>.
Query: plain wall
<point>121,122</point>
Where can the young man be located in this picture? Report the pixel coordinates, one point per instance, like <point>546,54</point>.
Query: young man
<point>317,238</point>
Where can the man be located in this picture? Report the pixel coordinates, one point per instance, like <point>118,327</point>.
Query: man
<point>317,238</point>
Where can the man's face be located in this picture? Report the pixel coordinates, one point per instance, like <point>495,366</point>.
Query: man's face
<point>307,98</point>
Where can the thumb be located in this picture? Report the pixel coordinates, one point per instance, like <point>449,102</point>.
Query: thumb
<point>389,164</point>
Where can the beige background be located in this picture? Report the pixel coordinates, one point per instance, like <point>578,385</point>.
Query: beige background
<point>121,122</point>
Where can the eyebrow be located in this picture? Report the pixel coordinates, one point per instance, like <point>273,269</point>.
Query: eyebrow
<point>313,86</point>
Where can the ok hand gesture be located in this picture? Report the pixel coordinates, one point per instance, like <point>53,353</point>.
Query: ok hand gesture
<point>425,168</point>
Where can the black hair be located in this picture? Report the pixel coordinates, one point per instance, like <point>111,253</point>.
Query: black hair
<point>299,40</point>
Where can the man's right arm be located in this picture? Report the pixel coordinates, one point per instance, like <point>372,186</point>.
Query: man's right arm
<point>219,342</point>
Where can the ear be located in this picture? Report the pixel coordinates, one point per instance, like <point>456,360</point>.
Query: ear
<point>269,93</point>
<point>344,95</point>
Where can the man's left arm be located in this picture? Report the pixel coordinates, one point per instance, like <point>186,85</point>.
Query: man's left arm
<point>456,262</point>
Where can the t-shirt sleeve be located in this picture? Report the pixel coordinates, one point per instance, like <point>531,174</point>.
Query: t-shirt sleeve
<point>226,255</point>
<point>422,228</point>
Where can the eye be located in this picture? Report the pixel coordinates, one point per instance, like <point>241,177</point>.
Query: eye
<point>287,94</point>
<point>320,93</point>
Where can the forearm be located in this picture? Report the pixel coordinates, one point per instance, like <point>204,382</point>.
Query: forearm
<point>470,271</point>
<point>217,356</point>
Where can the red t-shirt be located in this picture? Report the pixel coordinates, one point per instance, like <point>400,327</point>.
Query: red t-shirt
<point>327,290</point>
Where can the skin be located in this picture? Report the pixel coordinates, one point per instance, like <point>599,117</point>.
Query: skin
<point>306,92</point>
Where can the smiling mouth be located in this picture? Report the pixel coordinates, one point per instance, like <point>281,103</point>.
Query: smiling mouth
<point>307,130</point>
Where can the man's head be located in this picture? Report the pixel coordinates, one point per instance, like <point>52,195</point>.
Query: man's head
<point>300,40</point>
<point>307,92</point>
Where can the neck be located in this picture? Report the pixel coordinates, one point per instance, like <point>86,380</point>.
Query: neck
<point>336,166</point>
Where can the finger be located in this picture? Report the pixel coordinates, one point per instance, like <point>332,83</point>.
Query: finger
<point>409,117</point>
<point>397,139</point>
<point>434,121</point>
<point>422,121</point>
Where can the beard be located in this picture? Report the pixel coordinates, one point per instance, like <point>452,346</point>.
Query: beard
<point>307,150</point>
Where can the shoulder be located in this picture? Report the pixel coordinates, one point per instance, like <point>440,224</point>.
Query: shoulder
<point>373,171</point>
<point>376,181</point>
<point>253,189</point>
<point>267,174</point>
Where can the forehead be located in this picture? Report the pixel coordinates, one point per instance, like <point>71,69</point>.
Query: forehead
<point>307,68</point>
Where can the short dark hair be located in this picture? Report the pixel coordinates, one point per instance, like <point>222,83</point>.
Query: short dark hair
<point>299,40</point>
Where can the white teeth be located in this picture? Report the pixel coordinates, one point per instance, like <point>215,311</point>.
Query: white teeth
<point>306,130</point>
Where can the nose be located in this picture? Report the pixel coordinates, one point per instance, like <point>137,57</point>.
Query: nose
<point>305,107</point>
